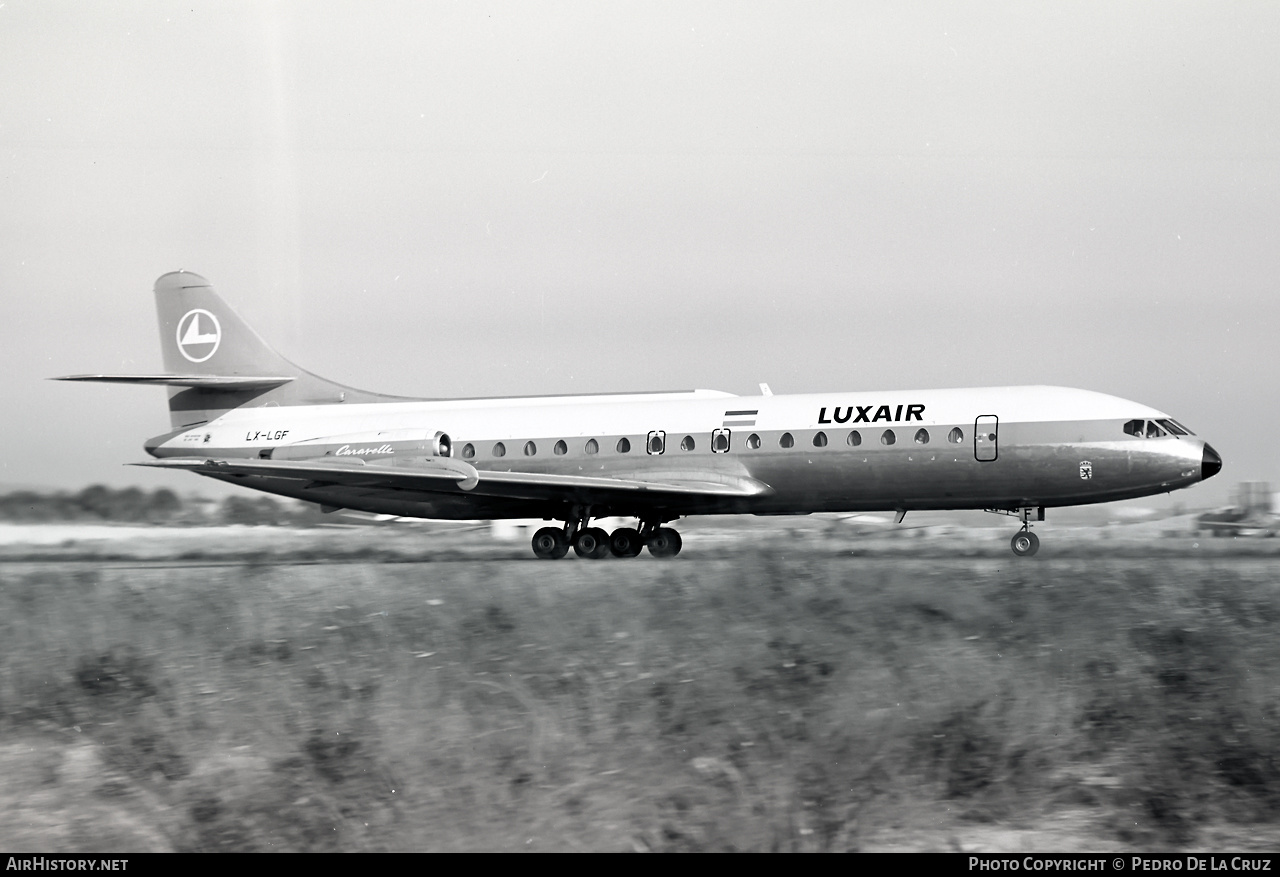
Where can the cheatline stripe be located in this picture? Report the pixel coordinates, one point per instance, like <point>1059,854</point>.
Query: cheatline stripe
<point>741,413</point>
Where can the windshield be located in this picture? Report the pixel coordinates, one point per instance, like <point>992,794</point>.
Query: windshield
<point>1175,427</point>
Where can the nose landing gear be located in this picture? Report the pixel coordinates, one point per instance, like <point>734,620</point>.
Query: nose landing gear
<point>1024,543</point>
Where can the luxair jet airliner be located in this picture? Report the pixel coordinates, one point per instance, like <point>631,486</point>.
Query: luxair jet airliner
<point>243,414</point>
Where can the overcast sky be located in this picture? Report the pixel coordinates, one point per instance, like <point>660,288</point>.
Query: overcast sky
<point>475,199</point>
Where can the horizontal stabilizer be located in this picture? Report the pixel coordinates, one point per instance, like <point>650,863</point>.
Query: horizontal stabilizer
<point>204,382</point>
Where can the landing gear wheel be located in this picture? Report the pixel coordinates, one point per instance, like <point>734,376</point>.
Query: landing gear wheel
<point>665,542</point>
<point>549,544</point>
<point>591,543</point>
<point>1024,543</point>
<point>626,542</point>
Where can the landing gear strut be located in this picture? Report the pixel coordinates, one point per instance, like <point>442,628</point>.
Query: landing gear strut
<point>593,543</point>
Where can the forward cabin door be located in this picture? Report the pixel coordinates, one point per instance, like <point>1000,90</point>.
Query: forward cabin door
<point>986,430</point>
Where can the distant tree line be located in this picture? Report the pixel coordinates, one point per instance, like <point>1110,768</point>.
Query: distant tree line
<point>162,506</point>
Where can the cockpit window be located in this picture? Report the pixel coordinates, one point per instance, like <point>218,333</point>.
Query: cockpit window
<point>1154,429</point>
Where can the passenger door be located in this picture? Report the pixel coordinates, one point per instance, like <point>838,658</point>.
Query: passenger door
<point>986,429</point>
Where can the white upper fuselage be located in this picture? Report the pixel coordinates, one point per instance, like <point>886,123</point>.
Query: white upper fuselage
<point>694,412</point>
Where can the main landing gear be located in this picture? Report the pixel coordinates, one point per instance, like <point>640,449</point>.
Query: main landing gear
<point>593,543</point>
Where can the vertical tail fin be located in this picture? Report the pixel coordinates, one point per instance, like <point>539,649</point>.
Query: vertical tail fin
<point>216,362</point>
<point>200,334</point>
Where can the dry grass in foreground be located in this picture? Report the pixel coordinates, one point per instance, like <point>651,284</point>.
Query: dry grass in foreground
<point>769,700</point>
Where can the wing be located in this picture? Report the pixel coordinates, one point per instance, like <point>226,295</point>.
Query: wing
<point>444,474</point>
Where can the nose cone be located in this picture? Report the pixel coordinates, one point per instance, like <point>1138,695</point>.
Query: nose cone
<point>1210,463</point>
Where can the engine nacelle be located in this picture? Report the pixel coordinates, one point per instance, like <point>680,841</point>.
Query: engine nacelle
<point>387,443</point>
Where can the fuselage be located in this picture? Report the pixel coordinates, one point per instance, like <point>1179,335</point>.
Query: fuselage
<point>991,447</point>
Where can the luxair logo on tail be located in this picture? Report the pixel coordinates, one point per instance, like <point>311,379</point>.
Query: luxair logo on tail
<point>199,335</point>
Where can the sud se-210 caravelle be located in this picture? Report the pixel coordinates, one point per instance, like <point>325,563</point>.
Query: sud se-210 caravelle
<point>243,414</point>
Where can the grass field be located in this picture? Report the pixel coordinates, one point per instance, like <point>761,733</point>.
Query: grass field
<point>787,697</point>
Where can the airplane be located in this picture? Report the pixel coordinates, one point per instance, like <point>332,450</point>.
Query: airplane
<point>242,414</point>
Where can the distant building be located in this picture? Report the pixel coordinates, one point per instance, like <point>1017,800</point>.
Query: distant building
<point>1252,513</point>
<point>1255,496</point>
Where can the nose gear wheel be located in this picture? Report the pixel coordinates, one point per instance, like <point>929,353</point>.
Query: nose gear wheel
<point>1025,543</point>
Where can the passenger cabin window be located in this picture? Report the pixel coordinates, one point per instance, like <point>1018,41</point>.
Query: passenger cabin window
<point>888,438</point>
<point>720,441</point>
<point>787,440</point>
<point>530,449</point>
<point>561,448</point>
<point>592,446</point>
<point>956,436</point>
<point>753,442</point>
<point>820,440</point>
<point>499,450</point>
<point>656,443</point>
<point>922,436</point>
<point>687,443</point>
<point>854,439</point>
<point>468,451</point>
<point>624,446</point>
